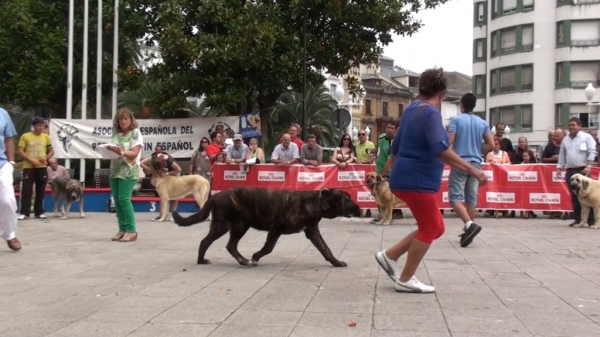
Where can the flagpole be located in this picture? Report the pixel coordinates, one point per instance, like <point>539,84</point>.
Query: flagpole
<point>69,112</point>
<point>115,59</point>
<point>99,71</point>
<point>84,79</point>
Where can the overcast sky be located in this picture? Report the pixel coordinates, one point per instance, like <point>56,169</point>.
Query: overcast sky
<point>445,40</point>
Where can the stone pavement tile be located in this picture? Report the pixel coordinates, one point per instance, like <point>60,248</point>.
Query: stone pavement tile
<point>334,320</point>
<point>406,333</point>
<point>348,305</point>
<point>400,307</point>
<point>455,277</point>
<point>22,328</point>
<point>271,318</point>
<point>501,279</point>
<point>473,290</point>
<point>348,286</point>
<point>196,309</point>
<point>535,308</point>
<point>414,322</point>
<point>553,326</point>
<point>173,330</point>
<point>291,289</point>
<point>523,334</point>
<point>309,275</point>
<point>516,293</point>
<point>276,304</point>
<point>133,309</point>
<point>81,281</point>
<point>311,331</point>
<point>495,266</point>
<point>90,329</point>
<point>447,264</point>
<point>125,286</point>
<point>71,308</point>
<point>21,283</point>
<point>486,325</point>
<point>251,331</point>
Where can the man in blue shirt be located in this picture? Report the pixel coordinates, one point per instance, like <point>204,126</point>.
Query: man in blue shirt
<point>466,132</point>
<point>8,204</point>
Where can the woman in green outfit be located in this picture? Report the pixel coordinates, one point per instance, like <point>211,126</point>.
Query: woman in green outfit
<point>125,171</point>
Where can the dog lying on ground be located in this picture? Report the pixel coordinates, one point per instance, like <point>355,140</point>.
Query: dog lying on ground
<point>279,212</point>
<point>177,187</point>
<point>70,190</point>
<point>385,199</point>
<point>588,192</point>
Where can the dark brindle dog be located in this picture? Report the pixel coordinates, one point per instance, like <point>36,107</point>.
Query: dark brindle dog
<point>70,190</point>
<point>279,212</point>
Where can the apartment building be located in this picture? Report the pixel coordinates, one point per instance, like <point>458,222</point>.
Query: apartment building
<point>532,60</point>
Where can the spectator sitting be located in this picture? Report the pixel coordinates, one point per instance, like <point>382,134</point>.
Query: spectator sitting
<point>255,154</point>
<point>311,153</point>
<point>363,149</point>
<point>286,153</point>
<point>497,156</point>
<point>344,154</point>
<point>236,154</point>
<point>522,148</point>
<point>220,158</point>
<point>55,170</point>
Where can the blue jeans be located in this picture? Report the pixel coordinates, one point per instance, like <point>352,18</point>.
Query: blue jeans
<point>462,187</point>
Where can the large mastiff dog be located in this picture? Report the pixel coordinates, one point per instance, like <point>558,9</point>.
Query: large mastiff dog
<point>177,187</point>
<point>70,190</point>
<point>588,192</point>
<point>279,212</point>
<point>385,199</point>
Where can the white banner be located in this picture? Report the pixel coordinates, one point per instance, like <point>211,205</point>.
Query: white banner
<point>77,138</point>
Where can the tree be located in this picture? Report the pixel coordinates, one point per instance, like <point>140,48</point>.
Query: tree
<point>34,49</point>
<point>234,52</point>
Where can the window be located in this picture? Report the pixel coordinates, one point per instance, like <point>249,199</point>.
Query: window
<point>507,80</point>
<point>559,73</point>
<point>494,43</point>
<point>509,40</point>
<point>558,112</point>
<point>527,5</point>
<point>400,110</point>
<point>527,117</point>
<point>527,38</point>
<point>507,116</point>
<point>480,12</point>
<point>509,6</point>
<point>479,85</point>
<point>384,107</point>
<point>368,107</point>
<point>560,31</point>
<point>495,8</point>
<point>585,33</point>
<point>493,79</point>
<point>332,88</point>
<point>479,52</point>
<point>527,77</point>
<point>583,73</point>
<point>587,114</point>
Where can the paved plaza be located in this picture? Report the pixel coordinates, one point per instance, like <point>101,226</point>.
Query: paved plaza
<point>534,277</point>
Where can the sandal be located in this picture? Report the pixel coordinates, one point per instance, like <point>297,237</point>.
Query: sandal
<point>129,237</point>
<point>118,236</point>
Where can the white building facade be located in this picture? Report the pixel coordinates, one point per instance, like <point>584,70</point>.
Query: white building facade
<point>532,60</point>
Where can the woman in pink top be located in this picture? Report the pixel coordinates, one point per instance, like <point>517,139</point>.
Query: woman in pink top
<point>497,156</point>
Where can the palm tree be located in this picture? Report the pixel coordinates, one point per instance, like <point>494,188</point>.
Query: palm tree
<point>288,110</point>
<point>146,102</point>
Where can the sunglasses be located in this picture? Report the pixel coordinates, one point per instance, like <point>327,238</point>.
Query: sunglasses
<point>362,134</point>
<point>204,142</point>
<point>346,138</point>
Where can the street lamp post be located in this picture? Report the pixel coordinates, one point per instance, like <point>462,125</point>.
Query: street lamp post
<point>590,92</point>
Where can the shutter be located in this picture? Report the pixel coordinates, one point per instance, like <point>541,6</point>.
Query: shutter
<point>526,74</point>
<point>527,35</point>
<point>479,85</point>
<point>585,33</point>
<point>527,3</point>
<point>509,39</point>
<point>509,6</point>
<point>479,48</point>
<point>576,109</point>
<point>584,72</point>
<point>507,116</point>
<point>527,117</point>
<point>507,77</point>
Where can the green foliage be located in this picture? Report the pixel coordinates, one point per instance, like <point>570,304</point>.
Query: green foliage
<point>236,51</point>
<point>34,49</point>
<point>147,101</point>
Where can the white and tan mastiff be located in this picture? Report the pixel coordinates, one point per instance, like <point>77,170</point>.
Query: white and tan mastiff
<point>588,191</point>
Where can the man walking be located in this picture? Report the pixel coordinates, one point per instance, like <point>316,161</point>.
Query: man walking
<point>465,133</point>
<point>577,154</point>
<point>8,204</point>
<point>35,148</point>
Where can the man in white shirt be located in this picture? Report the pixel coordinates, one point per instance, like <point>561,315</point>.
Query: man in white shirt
<point>237,152</point>
<point>286,153</point>
<point>577,154</point>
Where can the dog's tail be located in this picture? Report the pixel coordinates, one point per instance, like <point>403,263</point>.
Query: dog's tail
<point>196,217</point>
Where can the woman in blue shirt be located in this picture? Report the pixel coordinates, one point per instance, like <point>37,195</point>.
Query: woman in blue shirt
<point>419,151</point>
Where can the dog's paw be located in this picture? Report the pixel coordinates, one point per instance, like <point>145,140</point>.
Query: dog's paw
<point>254,263</point>
<point>160,220</point>
<point>385,223</point>
<point>594,227</point>
<point>244,262</point>
<point>204,261</point>
<point>57,215</point>
<point>64,217</point>
<point>580,225</point>
<point>82,216</point>
<point>340,264</point>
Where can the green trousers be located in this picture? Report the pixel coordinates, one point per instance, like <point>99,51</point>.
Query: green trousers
<point>121,190</point>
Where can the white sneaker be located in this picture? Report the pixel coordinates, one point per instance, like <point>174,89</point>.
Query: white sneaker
<point>388,265</point>
<point>22,217</point>
<point>413,286</point>
<point>41,216</point>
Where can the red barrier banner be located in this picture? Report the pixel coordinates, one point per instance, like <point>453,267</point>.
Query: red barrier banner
<point>535,187</point>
